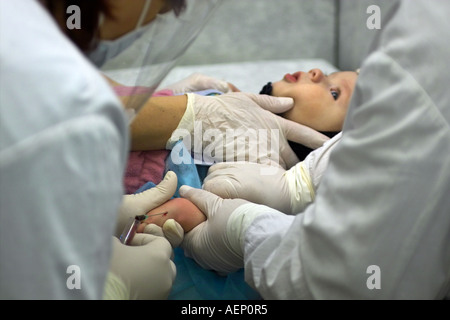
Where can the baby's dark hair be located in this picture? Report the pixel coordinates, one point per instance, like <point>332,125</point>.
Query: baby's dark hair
<point>301,151</point>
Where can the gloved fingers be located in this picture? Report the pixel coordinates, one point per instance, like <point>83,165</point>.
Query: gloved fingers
<point>226,187</point>
<point>153,229</point>
<point>228,171</point>
<point>164,190</point>
<point>160,243</point>
<point>173,232</point>
<point>302,134</point>
<point>189,236</point>
<point>174,270</point>
<point>273,104</point>
<point>192,239</point>
<point>289,158</point>
<point>225,165</point>
<point>238,179</point>
<point>206,201</point>
<point>199,81</point>
<point>145,268</point>
<point>222,180</point>
<point>233,88</point>
<point>210,204</point>
<point>141,203</point>
<point>142,239</point>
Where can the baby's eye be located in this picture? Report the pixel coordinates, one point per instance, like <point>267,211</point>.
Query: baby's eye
<point>335,94</point>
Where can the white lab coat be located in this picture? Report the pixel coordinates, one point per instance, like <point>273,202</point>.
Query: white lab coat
<point>380,225</point>
<point>63,143</point>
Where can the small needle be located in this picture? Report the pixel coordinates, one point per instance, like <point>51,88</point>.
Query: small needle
<point>145,216</point>
<point>157,214</point>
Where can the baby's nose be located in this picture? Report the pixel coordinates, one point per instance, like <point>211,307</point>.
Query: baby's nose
<point>316,75</point>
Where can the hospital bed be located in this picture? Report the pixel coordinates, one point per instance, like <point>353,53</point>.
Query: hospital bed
<point>249,43</point>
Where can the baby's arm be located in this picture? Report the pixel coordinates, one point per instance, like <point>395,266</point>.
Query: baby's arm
<point>181,210</point>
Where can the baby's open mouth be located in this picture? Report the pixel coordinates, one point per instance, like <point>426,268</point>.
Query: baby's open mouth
<point>292,78</point>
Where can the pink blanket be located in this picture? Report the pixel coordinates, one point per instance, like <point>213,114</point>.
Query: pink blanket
<point>144,166</point>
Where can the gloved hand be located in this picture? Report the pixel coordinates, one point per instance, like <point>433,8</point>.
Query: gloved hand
<point>234,127</point>
<point>288,191</point>
<point>144,270</point>
<point>217,243</point>
<point>141,203</point>
<point>198,82</point>
<point>244,180</point>
<point>171,230</point>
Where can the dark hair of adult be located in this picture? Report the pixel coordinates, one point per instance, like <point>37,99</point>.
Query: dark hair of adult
<point>86,38</point>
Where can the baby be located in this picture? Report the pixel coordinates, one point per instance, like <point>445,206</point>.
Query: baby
<point>181,210</point>
<point>320,102</point>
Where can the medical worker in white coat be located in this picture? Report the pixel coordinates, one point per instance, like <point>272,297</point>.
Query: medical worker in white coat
<point>63,149</point>
<point>380,224</point>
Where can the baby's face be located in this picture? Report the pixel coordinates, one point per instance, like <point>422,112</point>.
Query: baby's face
<point>320,101</point>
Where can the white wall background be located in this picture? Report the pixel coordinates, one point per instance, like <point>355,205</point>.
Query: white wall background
<point>254,30</point>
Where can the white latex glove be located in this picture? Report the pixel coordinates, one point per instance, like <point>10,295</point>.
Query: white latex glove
<point>144,270</point>
<point>217,243</point>
<point>171,230</point>
<point>244,180</point>
<point>141,203</point>
<point>237,127</point>
<point>288,191</point>
<point>198,82</point>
